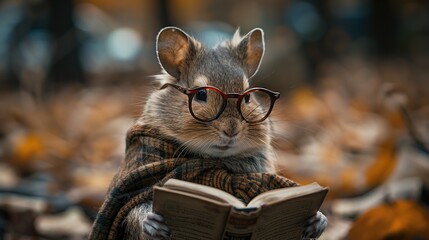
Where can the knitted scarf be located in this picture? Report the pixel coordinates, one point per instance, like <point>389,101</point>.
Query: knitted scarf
<point>151,159</point>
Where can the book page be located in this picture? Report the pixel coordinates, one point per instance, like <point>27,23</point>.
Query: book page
<point>190,216</point>
<point>202,190</point>
<point>285,220</point>
<point>283,194</point>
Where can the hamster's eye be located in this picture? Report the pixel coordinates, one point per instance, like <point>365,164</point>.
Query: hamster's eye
<point>201,95</point>
<point>247,98</point>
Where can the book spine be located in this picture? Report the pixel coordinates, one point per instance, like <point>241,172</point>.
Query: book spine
<point>241,224</point>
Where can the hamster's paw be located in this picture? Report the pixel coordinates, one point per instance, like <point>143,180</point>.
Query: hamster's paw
<point>315,226</point>
<point>155,228</point>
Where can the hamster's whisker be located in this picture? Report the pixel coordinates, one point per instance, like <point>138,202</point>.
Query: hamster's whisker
<point>259,114</point>
<point>250,143</point>
<point>207,144</point>
<point>254,109</point>
<point>196,142</point>
<point>258,140</point>
<point>204,142</point>
<point>183,149</point>
<point>275,141</point>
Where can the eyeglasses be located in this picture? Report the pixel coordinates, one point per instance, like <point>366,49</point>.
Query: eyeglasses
<point>207,103</point>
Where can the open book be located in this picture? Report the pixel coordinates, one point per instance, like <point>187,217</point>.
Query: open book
<point>194,211</point>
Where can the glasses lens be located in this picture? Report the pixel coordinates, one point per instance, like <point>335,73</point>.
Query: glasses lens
<point>255,105</point>
<point>206,104</point>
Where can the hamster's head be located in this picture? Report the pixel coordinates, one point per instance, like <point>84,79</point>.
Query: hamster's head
<point>228,67</point>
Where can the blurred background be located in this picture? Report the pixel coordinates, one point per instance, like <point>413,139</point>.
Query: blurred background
<point>354,111</point>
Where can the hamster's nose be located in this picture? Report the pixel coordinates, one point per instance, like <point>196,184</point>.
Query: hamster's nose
<point>230,127</point>
<point>231,132</point>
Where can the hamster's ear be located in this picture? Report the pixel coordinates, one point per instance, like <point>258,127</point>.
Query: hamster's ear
<point>251,50</point>
<point>172,48</point>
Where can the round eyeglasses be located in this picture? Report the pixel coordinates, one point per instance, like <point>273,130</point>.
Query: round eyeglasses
<point>207,103</point>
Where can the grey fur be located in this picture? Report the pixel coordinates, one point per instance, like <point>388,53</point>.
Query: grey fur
<point>227,67</point>
<point>134,222</point>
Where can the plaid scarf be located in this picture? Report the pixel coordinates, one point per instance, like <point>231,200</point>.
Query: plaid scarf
<point>151,160</point>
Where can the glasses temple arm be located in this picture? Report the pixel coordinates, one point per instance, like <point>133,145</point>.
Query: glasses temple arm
<point>183,90</point>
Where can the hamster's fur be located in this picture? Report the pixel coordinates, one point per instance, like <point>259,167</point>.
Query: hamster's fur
<point>230,67</point>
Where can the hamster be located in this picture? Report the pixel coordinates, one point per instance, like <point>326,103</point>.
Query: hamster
<point>230,67</point>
